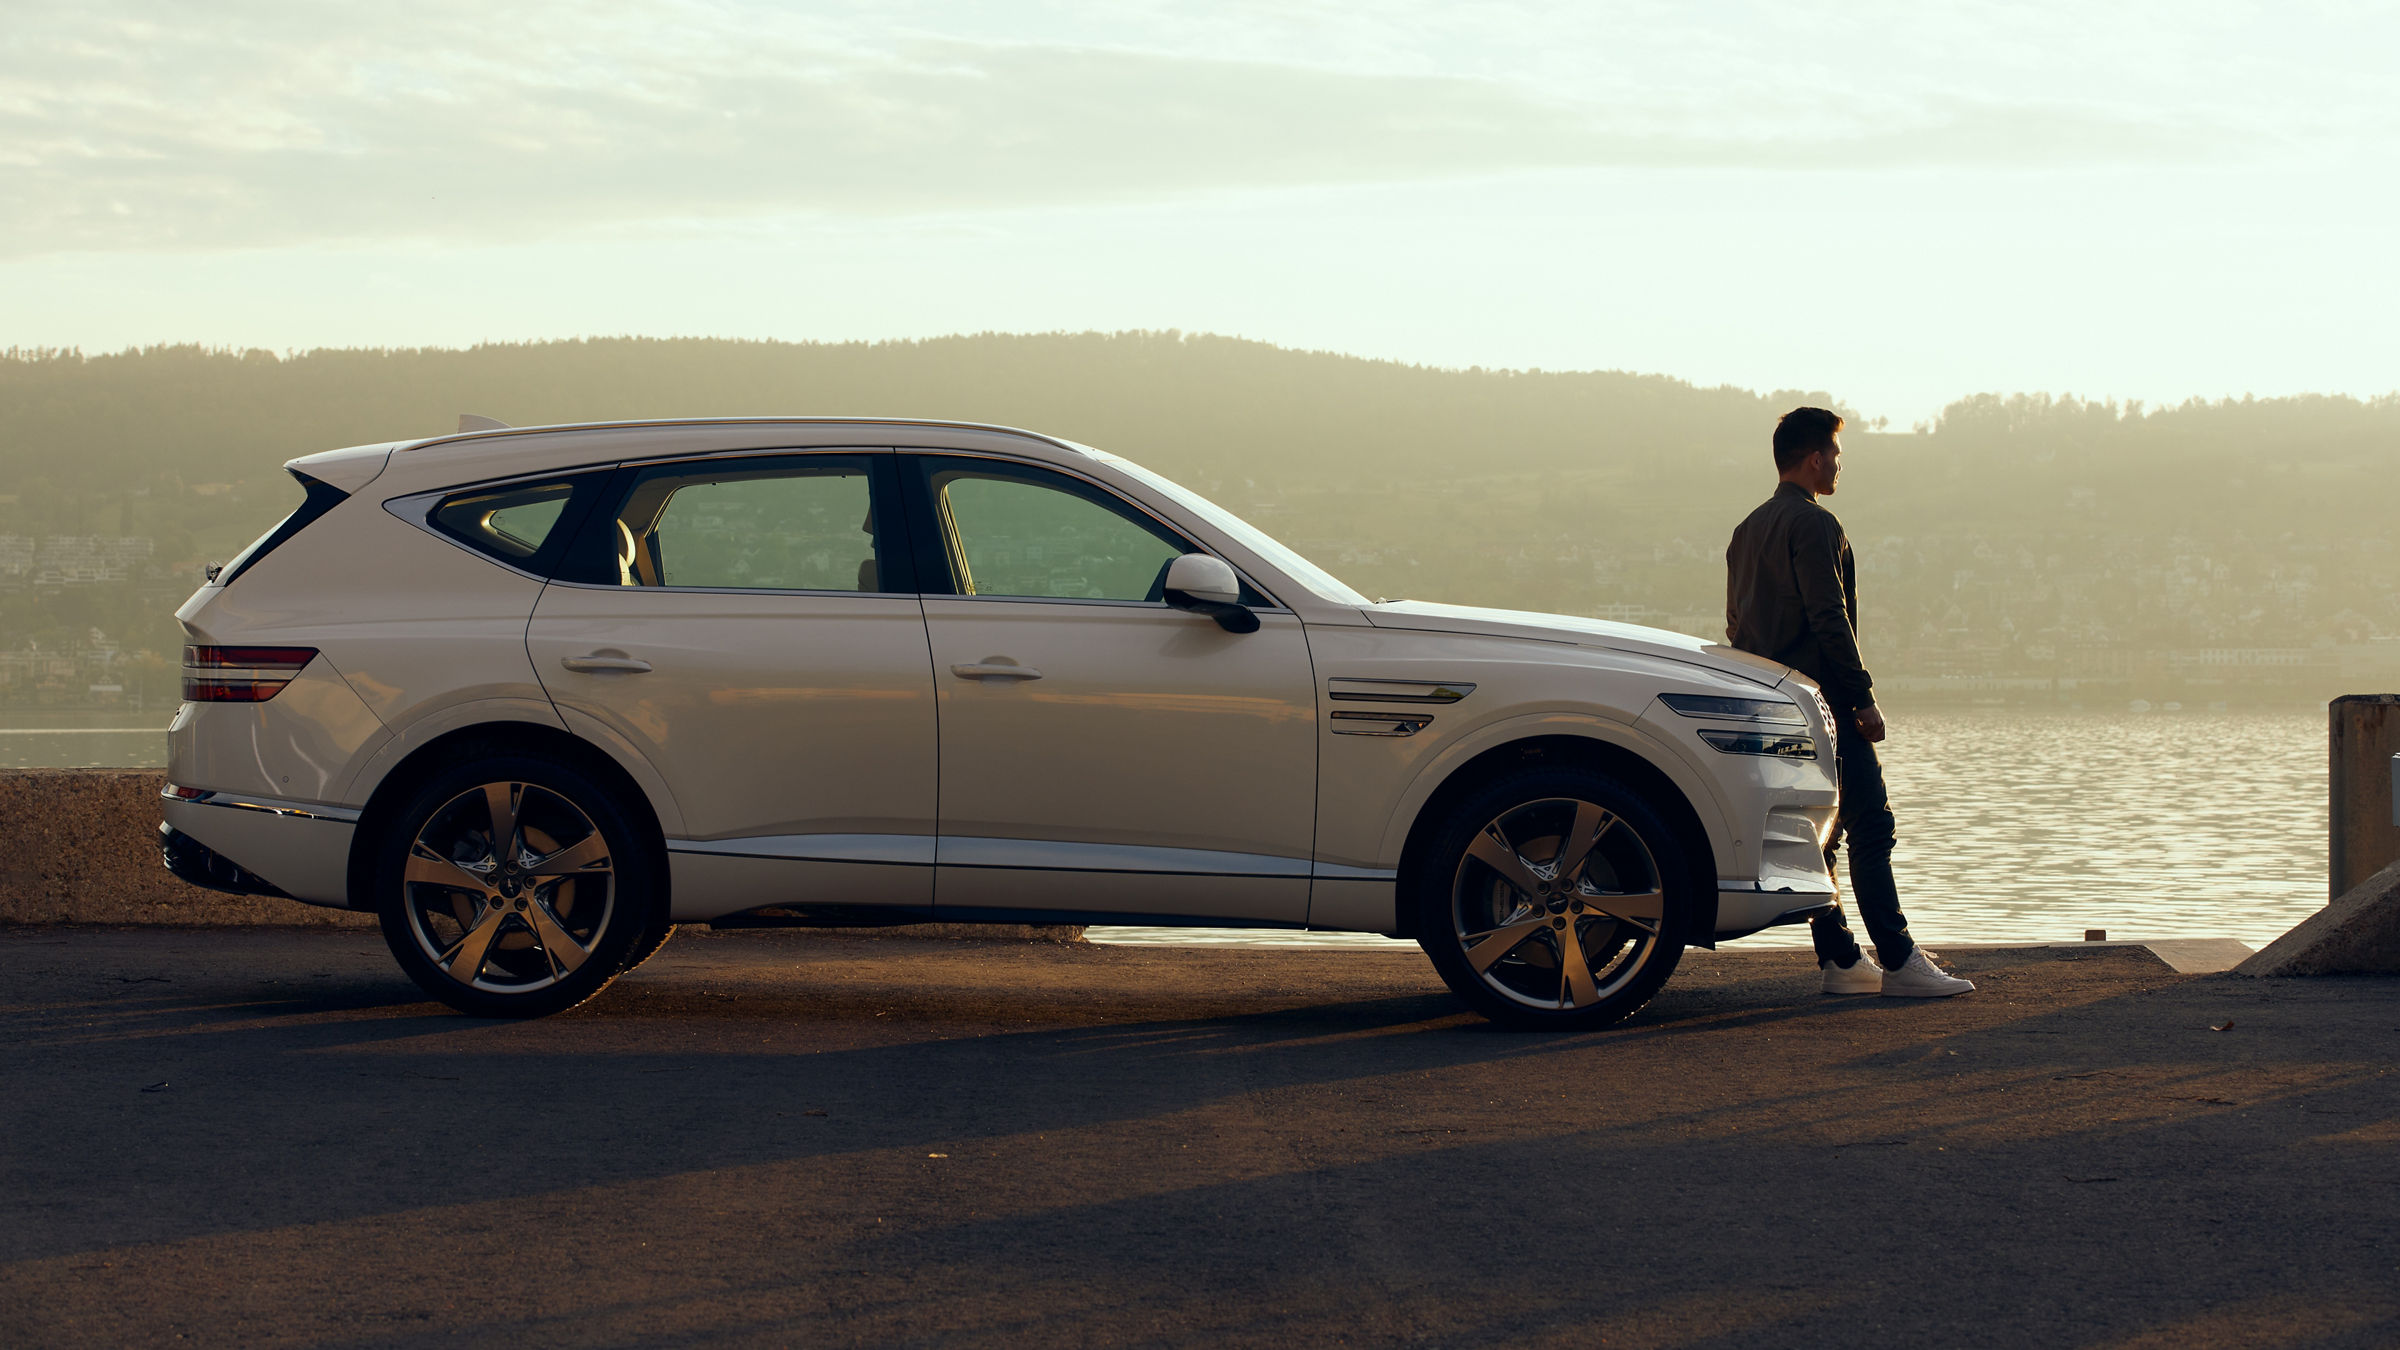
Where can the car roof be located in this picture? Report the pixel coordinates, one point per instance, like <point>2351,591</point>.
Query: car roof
<point>458,457</point>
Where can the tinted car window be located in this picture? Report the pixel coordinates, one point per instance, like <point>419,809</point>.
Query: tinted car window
<point>1022,532</point>
<point>510,523</point>
<point>779,525</point>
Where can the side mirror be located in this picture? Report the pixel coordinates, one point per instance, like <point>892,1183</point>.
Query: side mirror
<point>1207,585</point>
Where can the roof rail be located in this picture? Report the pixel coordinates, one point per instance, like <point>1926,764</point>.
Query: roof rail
<point>497,429</point>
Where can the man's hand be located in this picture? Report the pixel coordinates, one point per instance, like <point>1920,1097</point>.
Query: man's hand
<point>1870,723</point>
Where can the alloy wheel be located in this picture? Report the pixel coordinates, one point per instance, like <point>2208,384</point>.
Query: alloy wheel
<point>1558,904</point>
<point>508,888</point>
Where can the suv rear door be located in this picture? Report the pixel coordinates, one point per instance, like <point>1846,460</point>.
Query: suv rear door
<point>748,625</point>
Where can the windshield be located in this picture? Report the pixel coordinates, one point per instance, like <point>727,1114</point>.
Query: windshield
<point>1325,585</point>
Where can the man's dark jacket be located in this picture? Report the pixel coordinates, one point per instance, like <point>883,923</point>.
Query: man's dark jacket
<point>1791,595</point>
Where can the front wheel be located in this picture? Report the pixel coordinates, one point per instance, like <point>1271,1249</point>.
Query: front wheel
<point>515,886</point>
<point>1553,898</point>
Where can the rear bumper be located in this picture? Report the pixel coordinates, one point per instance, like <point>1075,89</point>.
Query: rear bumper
<point>200,865</point>
<point>295,849</point>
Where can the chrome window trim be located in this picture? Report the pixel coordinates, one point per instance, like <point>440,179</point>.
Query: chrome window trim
<point>735,590</point>
<point>416,508</point>
<point>1077,600</point>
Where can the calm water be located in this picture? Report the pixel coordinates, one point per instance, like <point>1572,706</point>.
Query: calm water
<point>81,740</point>
<point>2013,825</point>
<point>2034,826</point>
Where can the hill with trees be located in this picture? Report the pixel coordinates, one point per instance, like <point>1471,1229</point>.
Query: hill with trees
<point>2015,538</point>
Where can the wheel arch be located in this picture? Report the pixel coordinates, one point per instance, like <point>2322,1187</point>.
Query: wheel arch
<point>491,738</point>
<point>1581,750</point>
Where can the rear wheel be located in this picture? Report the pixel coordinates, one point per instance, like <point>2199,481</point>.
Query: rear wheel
<point>516,886</point>
<point>1553,898</point>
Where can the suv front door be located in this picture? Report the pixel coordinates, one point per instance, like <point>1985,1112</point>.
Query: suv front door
<point>1103,753</point>
<point>744,625</point>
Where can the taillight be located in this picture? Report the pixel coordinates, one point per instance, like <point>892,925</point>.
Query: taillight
<point>240,674</point>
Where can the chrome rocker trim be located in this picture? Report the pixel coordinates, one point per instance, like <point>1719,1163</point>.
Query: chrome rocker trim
<point>274,806</point>
<point>1040,855</point>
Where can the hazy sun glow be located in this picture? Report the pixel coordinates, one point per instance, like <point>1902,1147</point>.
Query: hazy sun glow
<point>1894,202</point>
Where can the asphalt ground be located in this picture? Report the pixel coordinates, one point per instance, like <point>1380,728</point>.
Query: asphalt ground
<point>268,1138</point>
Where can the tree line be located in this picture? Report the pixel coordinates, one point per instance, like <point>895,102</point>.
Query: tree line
<point>2248,519</point>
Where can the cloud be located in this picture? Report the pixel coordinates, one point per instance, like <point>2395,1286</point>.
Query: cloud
<point>261,126</point>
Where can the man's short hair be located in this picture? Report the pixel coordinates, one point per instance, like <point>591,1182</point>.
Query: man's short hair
<point>1803,432</point>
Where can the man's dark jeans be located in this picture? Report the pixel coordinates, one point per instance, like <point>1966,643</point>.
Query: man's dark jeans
<point>1867,821</point>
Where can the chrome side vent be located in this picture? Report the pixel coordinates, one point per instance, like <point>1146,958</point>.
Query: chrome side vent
<point>1379,724</point>
<point>1397,691</point>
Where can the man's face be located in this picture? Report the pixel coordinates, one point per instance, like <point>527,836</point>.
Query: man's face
<point>1825,467</point>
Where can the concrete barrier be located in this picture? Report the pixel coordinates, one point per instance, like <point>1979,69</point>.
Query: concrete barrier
<point>2364,817</point>
<point>2358,934</point>
<point>81,846</point>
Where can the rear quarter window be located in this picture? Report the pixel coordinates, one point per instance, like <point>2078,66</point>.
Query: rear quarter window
<point>512,523</point>
<point>521,524</point>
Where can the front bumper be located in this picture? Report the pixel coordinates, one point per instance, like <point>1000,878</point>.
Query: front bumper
<point>1779,810</point>
<point>1741,912</point>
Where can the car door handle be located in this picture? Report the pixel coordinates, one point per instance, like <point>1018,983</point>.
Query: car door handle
<point>988,670</point>
<point>598,663</point>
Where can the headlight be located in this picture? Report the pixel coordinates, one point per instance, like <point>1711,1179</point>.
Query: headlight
<point>1735,710</point>
<point>1761,743</point>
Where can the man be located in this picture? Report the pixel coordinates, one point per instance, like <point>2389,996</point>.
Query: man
<point>1791,595</point>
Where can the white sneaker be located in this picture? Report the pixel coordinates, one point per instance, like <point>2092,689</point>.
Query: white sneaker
<point>1862,976</point>
<point>1919,977</point>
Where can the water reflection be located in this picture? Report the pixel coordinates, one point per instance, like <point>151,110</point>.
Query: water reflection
<point>2025,826</point>
<point>42,738</point>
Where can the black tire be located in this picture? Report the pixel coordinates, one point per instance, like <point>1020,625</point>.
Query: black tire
<point>647,947</point>
<point>1627,900</point>
<point>539,932</point>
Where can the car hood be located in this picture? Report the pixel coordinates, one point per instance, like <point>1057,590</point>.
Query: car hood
<point>1623,637</point>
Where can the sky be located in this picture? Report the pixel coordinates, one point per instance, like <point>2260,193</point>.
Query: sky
<point>1900,203</point>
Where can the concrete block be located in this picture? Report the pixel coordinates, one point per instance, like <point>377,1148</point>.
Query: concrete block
<point>81,846</point>
<point>2358,934</point>
<point>2364,740</point>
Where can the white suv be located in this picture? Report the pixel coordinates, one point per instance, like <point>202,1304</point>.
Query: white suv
<point>534,696</point>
